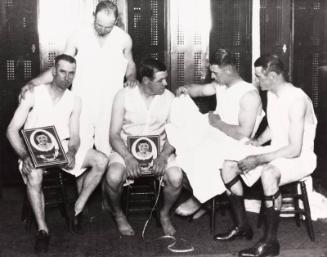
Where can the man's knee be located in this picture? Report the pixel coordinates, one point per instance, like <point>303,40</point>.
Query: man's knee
<point>34,178</point>
<point>99,162</point>
<point>270,176</point>
<point>230,168</point>
<point>174,177</point>
<point>115,174</point>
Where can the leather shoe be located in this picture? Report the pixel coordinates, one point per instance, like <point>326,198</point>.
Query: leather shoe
<point>261,249</point>
<point>236,232</point>
<point>42,241</point>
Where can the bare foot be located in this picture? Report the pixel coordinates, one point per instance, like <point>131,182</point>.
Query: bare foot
<point>123,226</point>
<point>188,207</point>
<point>167,226</point>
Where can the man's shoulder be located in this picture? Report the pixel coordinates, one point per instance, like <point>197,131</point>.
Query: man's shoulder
<point>167,93</point>
<point>119,31</point>
<point>121,93</point>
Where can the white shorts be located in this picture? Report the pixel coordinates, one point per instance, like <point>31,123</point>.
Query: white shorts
<point>291,170</point>
<point>79,160</point>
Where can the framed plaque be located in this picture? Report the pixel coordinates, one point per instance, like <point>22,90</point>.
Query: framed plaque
<point>44,147</point>
<point>145,149</point>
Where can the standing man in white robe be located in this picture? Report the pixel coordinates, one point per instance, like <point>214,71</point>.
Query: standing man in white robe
<point>104,55</point>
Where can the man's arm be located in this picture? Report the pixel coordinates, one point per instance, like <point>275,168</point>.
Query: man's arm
<point>117,143</point>
<point>263,138</point>
<point>16,123</point>
<point>196,90</point>
<point>296,116</point>
<point>74,138</point>
<point>131,68</point>
<point>250,105</point>
<point>160,163</point>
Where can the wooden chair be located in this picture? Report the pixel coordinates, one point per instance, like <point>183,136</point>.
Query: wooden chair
<point>292,195</point>
<point>141,196</point>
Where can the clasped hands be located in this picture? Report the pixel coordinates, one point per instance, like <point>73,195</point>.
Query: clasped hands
<point>248,163</point>
<point>134,171</point>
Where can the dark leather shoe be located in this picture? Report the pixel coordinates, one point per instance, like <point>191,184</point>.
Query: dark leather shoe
<point>41,241</point>
<point>261,249</point>
<point>236,232</point>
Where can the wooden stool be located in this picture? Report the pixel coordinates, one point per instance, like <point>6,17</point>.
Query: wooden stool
<point>140,197</point>
<point>54,187</point>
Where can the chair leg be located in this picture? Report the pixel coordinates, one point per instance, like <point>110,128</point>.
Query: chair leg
<point>127,193</point>
<point>297,211</point>
<point>155,195</point>
<point>307,210</point>
<point>261,214</point>
<point>213,216</point>
<point>65,211</point>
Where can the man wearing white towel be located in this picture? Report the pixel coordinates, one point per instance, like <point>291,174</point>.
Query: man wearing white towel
<point>237,116</point>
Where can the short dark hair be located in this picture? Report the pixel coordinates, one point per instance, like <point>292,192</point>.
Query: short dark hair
<point>270,62</point>
<point>109,6</point>
<point>222,57</point>
<point>148,67</point>
<point>64,57</point>
<point>143,141</point>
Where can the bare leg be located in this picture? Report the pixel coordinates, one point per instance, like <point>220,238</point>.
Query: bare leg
<point>79,183</point>
<point>188,207</point>
<point>173,185</point>
<point>36,198</point>
<point>97,162</point>
<point>113,186</point>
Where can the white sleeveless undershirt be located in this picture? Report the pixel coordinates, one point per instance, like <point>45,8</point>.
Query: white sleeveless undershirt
<point>278,119</point>
<point>46,113</point>
<point>228,102</point>
<point>140,120</point>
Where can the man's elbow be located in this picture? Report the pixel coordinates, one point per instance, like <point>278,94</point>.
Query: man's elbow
<point>113,138</point>
<point>243,134</point>
<point>9,132</point>
<point>296,151</point>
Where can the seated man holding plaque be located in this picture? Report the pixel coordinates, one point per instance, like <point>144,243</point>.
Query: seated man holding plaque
<point>54,105</point>
<point>137,135</point>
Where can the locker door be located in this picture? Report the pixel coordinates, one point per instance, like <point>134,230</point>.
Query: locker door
<point>146,26</point>
<point>310,52</point>
<point>276,28</point>
<point>19,62</point>
<point>231,29</point>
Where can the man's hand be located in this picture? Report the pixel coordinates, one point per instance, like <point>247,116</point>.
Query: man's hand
<point>71,161</point>
<point>24,89</point>
<point>131,83</point>
<point>181,90</point>
<point>159,165</point>
<point>253,142</point>
<point>27,166</point>
<point>132,167</point>
<point>213,119</point>
<point>248,163</point>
